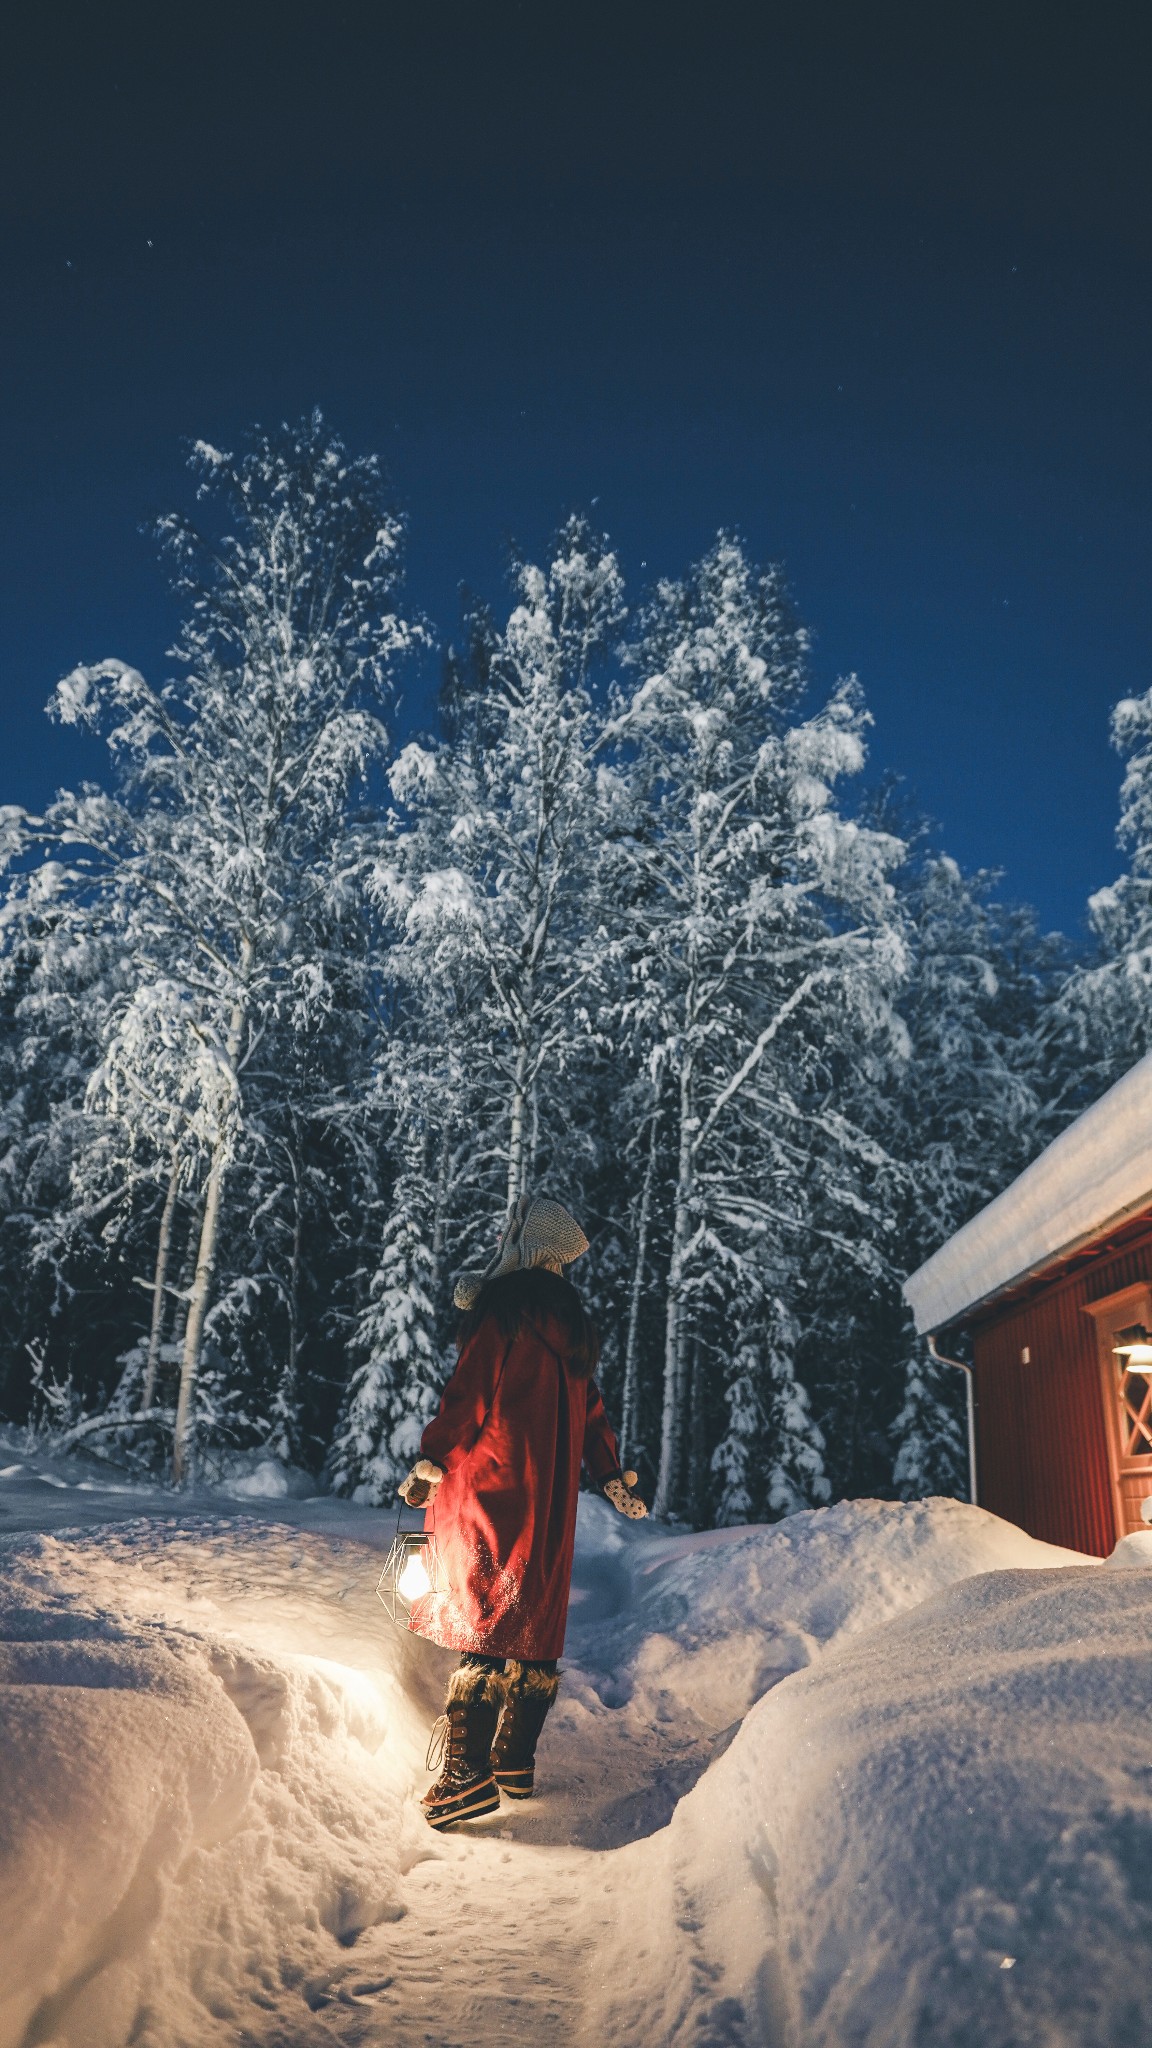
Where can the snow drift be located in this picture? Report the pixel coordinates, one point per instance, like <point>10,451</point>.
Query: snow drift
<point>941,1833</point>
<point>193,1822</point>
<point>812,1783</point>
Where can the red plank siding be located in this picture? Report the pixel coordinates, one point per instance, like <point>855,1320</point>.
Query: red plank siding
<point>1041,1446</point>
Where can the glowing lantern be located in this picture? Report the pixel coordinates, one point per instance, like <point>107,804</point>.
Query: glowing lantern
<point>411,1570</point>
<point>1134,1346</point>
<point>414,1581</point>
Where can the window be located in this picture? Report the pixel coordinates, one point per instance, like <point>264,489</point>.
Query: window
<point>1127,1395</point>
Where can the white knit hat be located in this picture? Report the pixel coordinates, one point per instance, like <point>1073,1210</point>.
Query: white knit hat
<point>538,1232</point>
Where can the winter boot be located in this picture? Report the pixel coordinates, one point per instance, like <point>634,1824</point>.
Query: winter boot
<point>530,1693</point>
<point>461,1747</point>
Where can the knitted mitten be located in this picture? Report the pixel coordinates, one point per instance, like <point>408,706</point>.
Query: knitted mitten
<point>420,1485</point>
<point>619,1492</point>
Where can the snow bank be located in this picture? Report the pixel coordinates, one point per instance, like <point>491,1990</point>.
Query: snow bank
<point>941,1833</point>
<point>711,1621</point>
<point>256,1475</point>
<point>213,1746</point>
<point>210,1745</point>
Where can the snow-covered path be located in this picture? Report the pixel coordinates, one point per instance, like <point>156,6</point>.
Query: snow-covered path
<point>213,1747</point>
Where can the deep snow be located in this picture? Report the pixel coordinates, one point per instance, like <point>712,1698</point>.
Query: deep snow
<point>869,1776</point>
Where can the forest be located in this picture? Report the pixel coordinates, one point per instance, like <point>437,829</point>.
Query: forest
<point>294,1004</point>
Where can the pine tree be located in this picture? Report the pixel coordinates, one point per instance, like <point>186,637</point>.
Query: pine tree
<point>395,1391</point>
<point>770,1460</point>
<point>796,1477</point>
<point>932,1456</point>
<point>965,1116</point>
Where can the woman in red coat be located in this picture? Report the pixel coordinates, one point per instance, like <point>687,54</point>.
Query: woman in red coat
<point>500,1471</point>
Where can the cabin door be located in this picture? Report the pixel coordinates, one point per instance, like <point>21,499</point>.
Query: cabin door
<point>1127,1398</point>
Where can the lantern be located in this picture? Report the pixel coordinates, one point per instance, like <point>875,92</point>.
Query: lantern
<point>1134,1346</point>
<point>412,1569</point>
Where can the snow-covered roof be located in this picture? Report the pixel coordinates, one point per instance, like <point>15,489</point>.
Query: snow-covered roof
<point>1095,1173</point>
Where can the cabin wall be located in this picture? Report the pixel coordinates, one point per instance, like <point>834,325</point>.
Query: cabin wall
<point>1041,1443</point>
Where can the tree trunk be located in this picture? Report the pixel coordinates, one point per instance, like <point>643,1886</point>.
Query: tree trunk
<point>443,1167</point>
<point>630,1399</point>
<point>534,1139</point>
<point>198,1309</point>
<point>516,1131</point>
<point>160,1283</point>
<point>209,1232</point>
<point>289,1416</point>
<point>184,1284</point>
<point>697,1454</point>
<point>524,1077</point>
<point>675,1333</point>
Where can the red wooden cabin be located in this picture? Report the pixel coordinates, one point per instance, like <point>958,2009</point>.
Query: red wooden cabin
<point>1053,1284</point>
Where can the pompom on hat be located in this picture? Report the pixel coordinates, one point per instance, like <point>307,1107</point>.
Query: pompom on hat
<point>538,1232</point>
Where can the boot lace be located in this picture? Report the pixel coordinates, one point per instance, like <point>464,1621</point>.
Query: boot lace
<point>437,1743</point>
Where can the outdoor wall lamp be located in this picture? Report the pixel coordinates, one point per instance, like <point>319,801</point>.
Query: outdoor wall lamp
<point>1134,1346</point>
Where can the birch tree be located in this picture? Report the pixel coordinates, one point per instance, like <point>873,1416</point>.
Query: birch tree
<point>226,847</point>
<point>763,930</point>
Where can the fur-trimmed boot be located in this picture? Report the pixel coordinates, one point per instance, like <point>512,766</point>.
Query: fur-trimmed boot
<point>461,1748</point>
<point>530,1693</point>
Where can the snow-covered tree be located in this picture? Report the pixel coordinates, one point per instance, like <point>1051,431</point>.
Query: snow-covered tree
<point>395,1391</point>
<point>761,943</point>
<point>485,877</point>
<point>491,876</point>
<point>61,1223</point>
<point>974,990</point>
<point>226,853</point>
<point>275,1055</point>
<point>1102,1021</point>
<point>931,1455</point>
<point>964,1115</point>
<point>796,1476</point>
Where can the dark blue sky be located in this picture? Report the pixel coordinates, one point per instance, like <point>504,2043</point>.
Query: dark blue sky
<point>870,283</point>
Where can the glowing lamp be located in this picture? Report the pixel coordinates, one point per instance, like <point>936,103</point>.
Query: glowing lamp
<point>411,1570</point>
<point>414,1580</point>
<point>1134,1346</point>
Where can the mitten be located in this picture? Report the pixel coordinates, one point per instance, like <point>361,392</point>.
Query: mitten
<point>619,1492</point>
<point>419,1489</point>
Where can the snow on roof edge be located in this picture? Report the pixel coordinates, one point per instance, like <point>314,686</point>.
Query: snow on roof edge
<point>1095,1173</point>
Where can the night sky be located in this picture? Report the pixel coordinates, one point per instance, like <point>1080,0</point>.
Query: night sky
<point>870,284</point>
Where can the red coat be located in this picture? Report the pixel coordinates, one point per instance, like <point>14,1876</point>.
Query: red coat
<point>514,1425</point>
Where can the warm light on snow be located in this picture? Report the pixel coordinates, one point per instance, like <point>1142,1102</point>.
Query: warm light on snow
<point>250,1861</point>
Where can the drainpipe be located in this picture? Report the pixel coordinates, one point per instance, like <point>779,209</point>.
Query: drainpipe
<point>970,1377</point>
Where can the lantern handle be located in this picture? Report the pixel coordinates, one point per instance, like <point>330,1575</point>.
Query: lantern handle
<point>429,1508</point>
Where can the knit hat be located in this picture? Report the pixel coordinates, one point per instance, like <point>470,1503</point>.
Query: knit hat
<point>538,1232</point>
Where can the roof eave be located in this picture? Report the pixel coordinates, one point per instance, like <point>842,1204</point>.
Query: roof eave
<point>959,1318</point>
